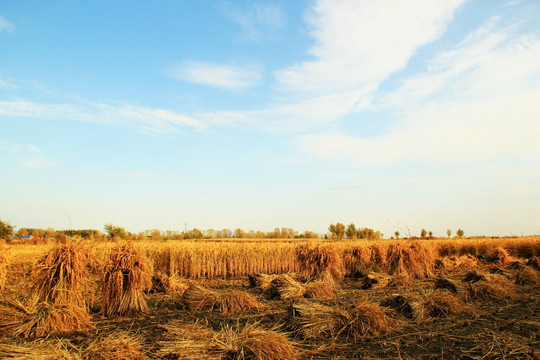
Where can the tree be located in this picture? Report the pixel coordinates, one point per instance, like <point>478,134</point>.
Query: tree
<point>460,233</point>
<point>397,234</point>
<point>338,230</point>
<point>351,231</point>
<point>449,233</point>
<point>6,229</point>
<point>430,234</point>
<point>423,233</point>
<point>115,231</point>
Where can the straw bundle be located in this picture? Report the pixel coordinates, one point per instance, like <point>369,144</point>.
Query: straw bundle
<point>60,349</point>
<point>187,341</point>
<point>438,303</point>
<point>357,259</point>
<point>500,256</point>
<point>412,258</point>
<point>41,318</point>
<point>377,259</point>
<point>170,285</point>
<point>199,298</point>
<point>320,263</point>
<point>285,287</point>
<point>363,319</point>
<point>61,275</point>
<point>261,281</point>
<point>254,342</point>
<point>119,345</point>
<point>126,275</point>
<point>494,287</point>
<point>527,276</point>
<point>320,290</point>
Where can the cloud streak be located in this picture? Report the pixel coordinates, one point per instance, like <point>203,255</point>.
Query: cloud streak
<point>6,25</point>
<point>227,77</point>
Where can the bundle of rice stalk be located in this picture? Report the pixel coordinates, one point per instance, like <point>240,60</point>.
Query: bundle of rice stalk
<point>320,290</point>
<point>493,287</point>
<point>438,303</point>
<point>40,350</point>
<point>254,342</point>
<point>199,298</point>
<point>125,277</point>
<point>170,285</point>
<point>320,263</point>
<point>363,319</point>
<point>284,287</point>
<point>527,276</point>
<point>500,256</point>
<point>41,318</point>
<point>261,281</point>
<point>357,259</point>
<point>119,345</point>
<point>412,258</point>
<point>61,276</point>
<point>377,259</point>
<point>187,341</point>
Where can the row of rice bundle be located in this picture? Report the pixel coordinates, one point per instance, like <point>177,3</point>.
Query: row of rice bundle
<point>126,275</point>
<point>4,259</point>
<point>362,319</point>
<point>320,263</point>
<point>411,258</point>
<point>199,298</point>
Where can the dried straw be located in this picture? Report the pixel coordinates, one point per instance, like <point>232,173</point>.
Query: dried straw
<point>438,303</point>
<point>119,345</point>
<point>126,275</point>
<point>411,258</point>
<point>187,341</point>
<point>4,260</point>
<point>527,276</point>
<point>199,298</point>
<point>320,263</point>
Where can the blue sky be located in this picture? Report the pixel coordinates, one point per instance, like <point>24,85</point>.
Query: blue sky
<point>394,115</point>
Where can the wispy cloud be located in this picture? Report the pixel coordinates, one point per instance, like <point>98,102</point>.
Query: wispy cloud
<point>477,101</point>
<point>228,77</point>
<point>258,20</point>
<point>6,25</point>
<point>132,173</point>
<point>148,119</point>
<point>38,163</point>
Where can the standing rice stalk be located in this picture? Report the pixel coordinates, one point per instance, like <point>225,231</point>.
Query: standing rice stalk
<point>126,275</point>
<point>320,263</point>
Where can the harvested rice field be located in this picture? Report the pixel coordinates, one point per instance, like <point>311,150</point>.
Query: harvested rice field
<point>423,299</point>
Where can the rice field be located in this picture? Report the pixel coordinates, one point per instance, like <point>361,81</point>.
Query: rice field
<point>474,298</point>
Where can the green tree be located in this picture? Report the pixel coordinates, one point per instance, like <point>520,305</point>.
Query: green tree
<point>449,233</point>
<point>460,233</point>
<point>423,233</point>
<point>115,231</point>
<point>6,229</point>
<point>337,230</point>
<point>351,231</point>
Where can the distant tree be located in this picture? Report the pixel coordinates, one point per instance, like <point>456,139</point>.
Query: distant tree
<point>337,230</point>
<point>309,235</point>
<point>397,234</point>
<point>367,233</point>
<point>449,233</point>
<point>115,231</point>
<point>423,233</point>
<point>460,233</point>
<point>430,234</point>
<point>239,233</point>
<point>6,229</point>
<point>351,231</point>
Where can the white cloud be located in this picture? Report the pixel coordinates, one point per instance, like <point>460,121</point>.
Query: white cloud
<point>476,102</point>
<point>132,173</point>
<point>6,25</point>
<point>149,119</point>
<point>33,148</point>
<point>360,43</point>
<point>228,77</point>
<point>38,163</point>
<point>258,20</point>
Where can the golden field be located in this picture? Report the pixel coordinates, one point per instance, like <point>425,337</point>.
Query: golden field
<point>271,299</point>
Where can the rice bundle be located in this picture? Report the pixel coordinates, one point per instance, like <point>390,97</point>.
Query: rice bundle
<point>187,341</point>
<point>126,275</point>
<point>320,263</point>
<point>378,258</point>
<point>285,287</point>
<point>527,276</point>
<point>500,256</point>
<point>261,281</point>
<point>363,319</point>
<point>199,298</point>
<point>493,287</point>
<point>119,345</point>
<point>357,259</point>
<point>254,342</point>
<point>438,303</point>
<point>61,276</point>
<point>40,350</point>
<point>320,290</point>
<point>412,258</point>
<point>170,285</point>
<point>42,318</point>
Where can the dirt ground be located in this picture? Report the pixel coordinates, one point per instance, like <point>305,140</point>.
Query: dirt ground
<point>488,328</point>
